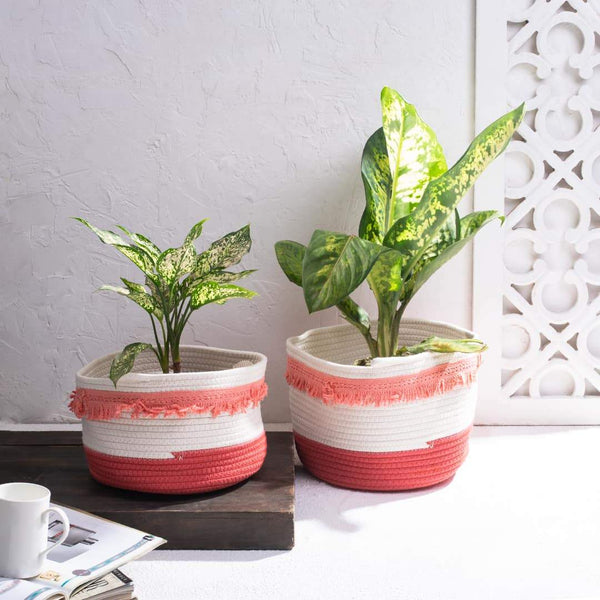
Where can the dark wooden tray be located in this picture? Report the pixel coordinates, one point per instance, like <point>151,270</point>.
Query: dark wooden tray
<point>257,514</point>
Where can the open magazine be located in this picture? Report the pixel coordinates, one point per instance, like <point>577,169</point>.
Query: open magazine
<point>91,554</point>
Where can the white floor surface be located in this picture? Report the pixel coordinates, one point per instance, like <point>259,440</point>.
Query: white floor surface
<point>520,520</point>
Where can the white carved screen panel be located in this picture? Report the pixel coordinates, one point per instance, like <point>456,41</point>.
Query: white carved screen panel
<point>537,280</point>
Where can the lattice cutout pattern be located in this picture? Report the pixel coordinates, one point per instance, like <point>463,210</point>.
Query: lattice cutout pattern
<point>551,328</point>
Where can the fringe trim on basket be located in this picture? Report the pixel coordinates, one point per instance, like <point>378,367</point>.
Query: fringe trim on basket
<point>102,405</point>
<point>332,389</point>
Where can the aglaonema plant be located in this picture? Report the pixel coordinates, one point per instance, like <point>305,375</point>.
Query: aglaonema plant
<point>410,226</point>
<point>177,282</point>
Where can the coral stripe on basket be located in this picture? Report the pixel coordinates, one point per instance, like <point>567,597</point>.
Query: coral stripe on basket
<point>192,471</point>
<point>385,471</point>
<point>101,404</point>
<point>382,391</point>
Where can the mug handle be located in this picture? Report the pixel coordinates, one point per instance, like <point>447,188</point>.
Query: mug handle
<point>66,526</point>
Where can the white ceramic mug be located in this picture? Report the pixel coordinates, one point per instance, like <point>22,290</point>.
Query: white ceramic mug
<point>24,510</point>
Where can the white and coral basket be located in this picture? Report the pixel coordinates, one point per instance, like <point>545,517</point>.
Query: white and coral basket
<point>177,433</point>
<point>399,425</point>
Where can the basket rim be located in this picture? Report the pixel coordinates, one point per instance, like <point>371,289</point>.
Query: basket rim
<point>245,373</point>
<point>401,365</point>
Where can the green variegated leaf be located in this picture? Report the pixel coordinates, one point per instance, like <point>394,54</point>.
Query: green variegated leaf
<point>334,265</point>
<point>106,237</point>
<point>226,251</point>
<point>162,294</point>
<point>414,153</point>
<point>413,234</point>
<point>139,258</point>
<point>385,278</point>
<point>208,291</point>
<point>377,181</point>
<point>437,344</point>
<point>141,298</point>
<point>132,286</point>
<point>123,362</point>
<point>142,242</point>
<point>195,232</point>
<point>176,262</point>
<point>228,276</point>
<point>355,314</point>
<point>469,226</point>
<point>290,256</point>
<point>398,162</point>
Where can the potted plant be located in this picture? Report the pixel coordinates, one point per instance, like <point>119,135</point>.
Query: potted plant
<point>388,405</point>
<point>166,418</point>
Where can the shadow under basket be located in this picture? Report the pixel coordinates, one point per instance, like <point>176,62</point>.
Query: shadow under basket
<point>401,425</point>
<point>179,433</point>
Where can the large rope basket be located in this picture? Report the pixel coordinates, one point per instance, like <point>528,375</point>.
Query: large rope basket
<point>177,433</point>
<point>400,425</point>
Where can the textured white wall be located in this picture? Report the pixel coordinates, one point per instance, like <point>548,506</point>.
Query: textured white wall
<point>155,114</point>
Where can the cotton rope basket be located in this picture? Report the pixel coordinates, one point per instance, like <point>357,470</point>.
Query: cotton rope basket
<point>176,433</point>
<point>393,426</point>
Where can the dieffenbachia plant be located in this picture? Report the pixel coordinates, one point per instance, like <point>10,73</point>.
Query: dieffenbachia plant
<point>177,282</point>
<point>410,226</point>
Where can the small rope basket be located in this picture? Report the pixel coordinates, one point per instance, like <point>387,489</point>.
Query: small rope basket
<point>401,425</point>
<point>177,433</point>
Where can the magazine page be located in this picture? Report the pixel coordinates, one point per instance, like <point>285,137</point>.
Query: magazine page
<point>93,548</point>
<point>22,589</point>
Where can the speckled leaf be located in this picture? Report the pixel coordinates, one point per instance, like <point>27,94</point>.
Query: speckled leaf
<point>385,278</point>
<point>414,153</point>
<point>437,344</point>
<point>290,256</point>
<point>142,242</point>
<point>334,265</point>
<point>161,293</point>
<point>133,286</point>
<point>176,262</point>
<point>228,276</point>
<point>355,314</point>
<point>414,234</point>
<point>139,258</point>
<point>123,362</point>
<point>226,251</point>
<point>377,181</point>
<point>469,226</point>
<point>209,291</point>
<point>140,297</point>
<point>106,237</point>
<point>195,232</point>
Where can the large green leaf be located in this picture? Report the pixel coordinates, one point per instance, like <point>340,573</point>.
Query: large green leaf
<point>469,226</point>
<point>226,251</point>
<point>206,292</point>
<point>414,233</point>
<point>334,265</point>
<point>398,162</point>
<point>123,362</point>
<point>377,181</point>
<point>414,153</point>
<point>176,262</point>
<point>290,256</point>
